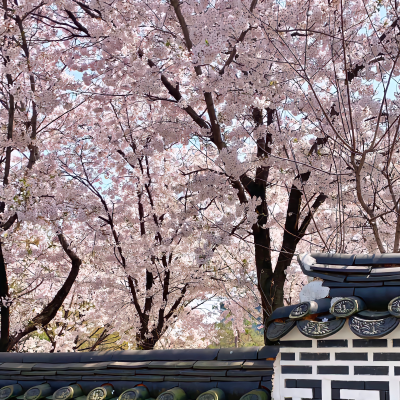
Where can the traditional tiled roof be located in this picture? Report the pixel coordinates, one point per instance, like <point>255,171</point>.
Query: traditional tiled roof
<point>363,291</point>
<point>236,371</point>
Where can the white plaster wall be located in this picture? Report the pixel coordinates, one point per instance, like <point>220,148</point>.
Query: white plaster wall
<point>280,392</point>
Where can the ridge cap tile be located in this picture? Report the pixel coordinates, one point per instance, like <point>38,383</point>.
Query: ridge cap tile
<point>233,353</point>
<point>127,364</point>
<point>17,366</point>
<point>171,364</point>
<point>218,364</point>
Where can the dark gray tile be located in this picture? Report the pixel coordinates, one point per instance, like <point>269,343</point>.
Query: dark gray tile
<point>55,385</point>
<point>351,356</point>
<point>254,372</point>
<point>268,352</point>
<point>128,365</point>
<point>341,292</point>
<point>258,364</point>
<point>288,356</point>
<point>235,390</point>
<point>332,369</point>
<point>373,259</point>
<point>11,357</point>
<point>237,378</point>
<point>6,382</point>
<point>314,356</point>
<point>16,366</point>
<point>295,343</point>
<point>195,389</point>
<point>386,356</point>
<point>171,364</point>
<point>240,353</point>
<point>332,343</point>
<point>121,386</point>
<point>218,364</point>
<point>189,378</point>
<point>296,369</point>
<point>290,383</point>
<point>371,370</point>
<point>309,383</point>
<point>28,384</point>
<point>369,342</point>
<point>87,386</point>
<point>379,385</point>
<point>199,372</point>
<point>339,259</point>
<point>156,388</point>
<point>97,356</point>
<point>167,355</point>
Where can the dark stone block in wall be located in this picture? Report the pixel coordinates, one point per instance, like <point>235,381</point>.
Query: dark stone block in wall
<point>290,383</point>
<point>309,383</point>
<point>387,356</point>
<point>377,385</point>
<point>317,393</point>
<point>335,394</point>
<point>235,390</point>
<point>396,343</point>
<point>295,343</point>
<point>369,342</point>
<point>296,369</point>
<point>268,352</point>
<point>397,370</point>
<point>348,385</point>
<point>195,389</point>
<point>314,356</point>
<point>371,370</point>
<point>332,369</point>
<point>240,353</point>
<point>288,356</point>
<point>332,343</point>
<point>351,356</point>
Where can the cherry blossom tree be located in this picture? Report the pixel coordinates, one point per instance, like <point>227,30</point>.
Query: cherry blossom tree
<point>194,148</point>
<point>34,98</point>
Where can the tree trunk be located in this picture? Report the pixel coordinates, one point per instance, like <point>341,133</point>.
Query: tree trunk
<point>4,311</point>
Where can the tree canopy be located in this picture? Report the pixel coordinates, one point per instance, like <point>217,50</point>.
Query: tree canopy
<point>155,155</point>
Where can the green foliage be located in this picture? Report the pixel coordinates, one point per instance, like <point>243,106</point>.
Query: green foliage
<point>250,337</point>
